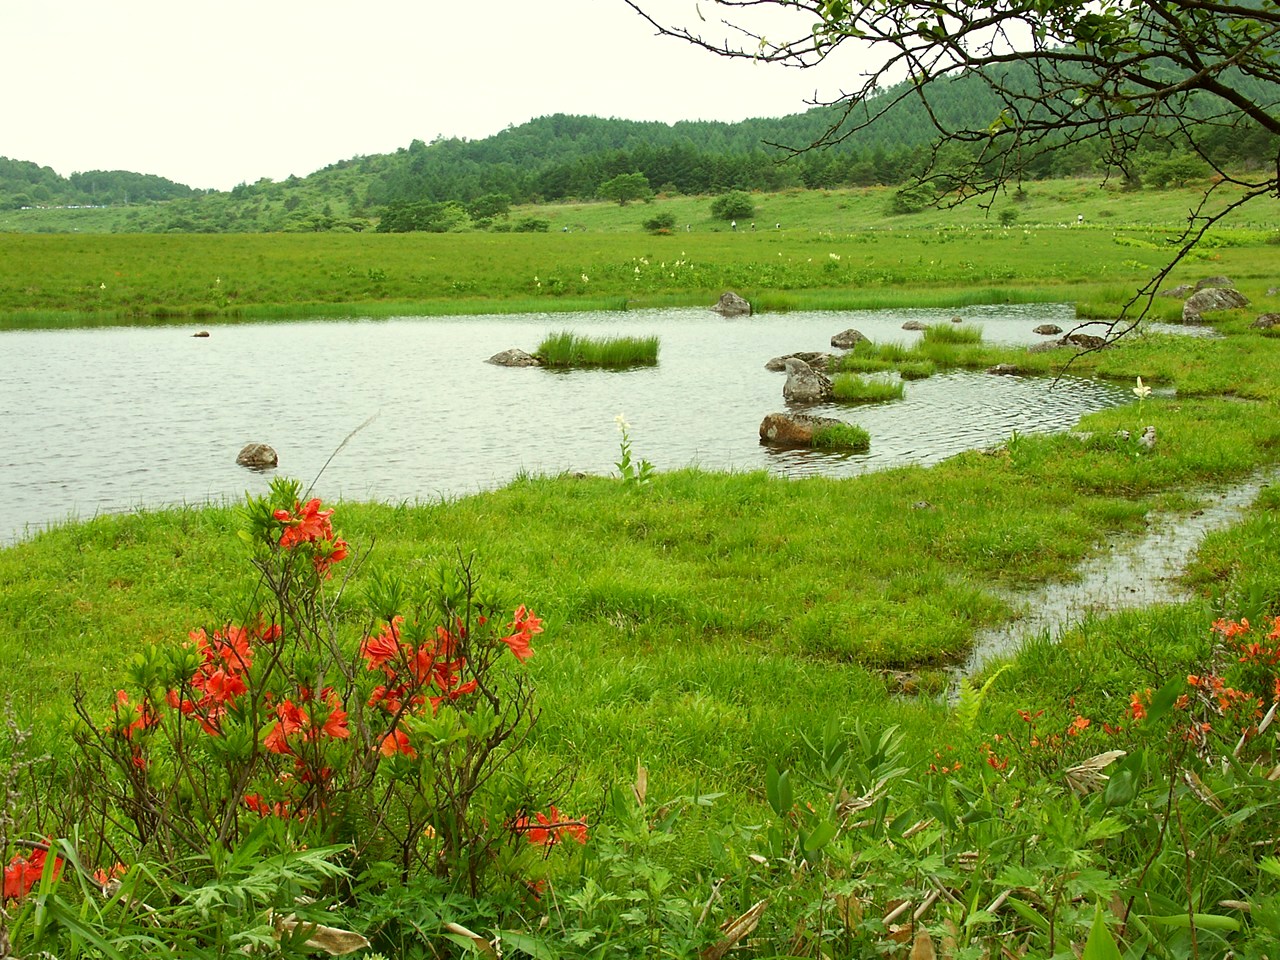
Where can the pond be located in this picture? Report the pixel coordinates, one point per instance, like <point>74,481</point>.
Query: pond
<point>105,420</point>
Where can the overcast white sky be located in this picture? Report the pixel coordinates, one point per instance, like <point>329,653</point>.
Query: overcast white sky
<point>215,93</point>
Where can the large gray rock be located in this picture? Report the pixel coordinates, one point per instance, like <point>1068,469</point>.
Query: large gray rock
<point>915,325</point>
<point>818,361</point>
<point>1210,299</point>
<point>257,456</point>
<point>1266,321</point>
<point>732,305</point>
<point>847,339</point>
<point>792,429</point>
<point>804,384</point>
<point>514,358</point>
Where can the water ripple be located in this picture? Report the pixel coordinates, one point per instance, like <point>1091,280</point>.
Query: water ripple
<point>105,420</point>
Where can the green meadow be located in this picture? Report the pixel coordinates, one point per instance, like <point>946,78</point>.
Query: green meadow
<point>744,685</point>
<point>833,250</point>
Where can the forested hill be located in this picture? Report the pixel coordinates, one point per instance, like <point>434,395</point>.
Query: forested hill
<point>451,183</point>
<point>27,184</point>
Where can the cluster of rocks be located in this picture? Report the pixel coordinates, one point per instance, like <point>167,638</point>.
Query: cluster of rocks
<point>1209,295</point>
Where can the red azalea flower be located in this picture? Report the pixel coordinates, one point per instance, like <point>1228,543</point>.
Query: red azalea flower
<point>397,741</point>
<point>310,524</point>
<point>23,873</point>
<point>385,647</point>
<point>335,725</point>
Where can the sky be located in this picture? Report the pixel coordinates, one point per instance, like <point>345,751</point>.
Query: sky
<point>212,94</point>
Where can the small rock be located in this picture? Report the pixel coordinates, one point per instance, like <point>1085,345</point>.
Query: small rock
<point>804,384</point>
<point>732,305</point>
<point>792,429</point>
<point>1085,341</point>
<point>922,505</point>
<point>514,358</point>
<point>1048,329</point>
<point>957,319</point>
<point>1003,369</point>
<point>1208,282</point>
<point>818,361</point>
<point>915,325</point>
<point>1045,345</point>
<point>257,456</point>
<point>202,333</point>
<point>1272,291</point>
<point>1266,321</point>
<point>902,682</point>
<point>847,339</point>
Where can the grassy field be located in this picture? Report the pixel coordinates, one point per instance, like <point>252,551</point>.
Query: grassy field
<point>820,258</point>
<point>739,637</point>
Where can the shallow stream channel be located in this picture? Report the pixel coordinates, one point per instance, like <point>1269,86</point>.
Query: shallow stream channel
<point>109,419</point>
<point>1131,572</point>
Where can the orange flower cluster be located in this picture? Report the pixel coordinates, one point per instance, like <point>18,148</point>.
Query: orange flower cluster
<point>307,523</point>
<point>219,680</point>
<point>412,670</point>
<point>548,829</point>
<point>23,873</point>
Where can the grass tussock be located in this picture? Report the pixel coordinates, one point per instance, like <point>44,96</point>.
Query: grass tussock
<point>852,388</point>
<point>565,349</point>
<point>952,333</point>
<point>843,436</point>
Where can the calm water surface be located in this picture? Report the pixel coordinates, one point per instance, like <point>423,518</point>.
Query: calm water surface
<point>105,420</point>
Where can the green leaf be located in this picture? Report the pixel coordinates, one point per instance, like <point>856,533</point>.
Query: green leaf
<point>778,790</point>
<point>538,949</point>
<point>1164,700</point>
<point>1122,788</point>
<point>1205,921</point>
<point>823,834</point>
<point>1101,945</point>
<point>1104,828</point>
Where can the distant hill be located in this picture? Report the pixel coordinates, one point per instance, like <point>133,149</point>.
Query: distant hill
<point>26,184</point>
<point>553,158</point>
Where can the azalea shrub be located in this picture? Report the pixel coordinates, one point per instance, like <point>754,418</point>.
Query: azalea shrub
<point>384,731</point>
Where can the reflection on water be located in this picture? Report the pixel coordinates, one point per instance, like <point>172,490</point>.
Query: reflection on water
<point>103,420</point>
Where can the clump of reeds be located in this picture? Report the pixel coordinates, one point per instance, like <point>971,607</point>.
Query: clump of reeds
<point>854,389</point>
<point>962,333</point>
<point>842,436</point>
<point>567,349</point>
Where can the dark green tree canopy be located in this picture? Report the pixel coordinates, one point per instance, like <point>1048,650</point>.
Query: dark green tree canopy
<point>1114,73</point>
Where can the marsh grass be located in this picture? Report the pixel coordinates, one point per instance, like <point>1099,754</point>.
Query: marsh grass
<point>567,349</point>
<point>917,370</point>
<point>852,388</point>
<point>844,436</point>
<point>951,333</point>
